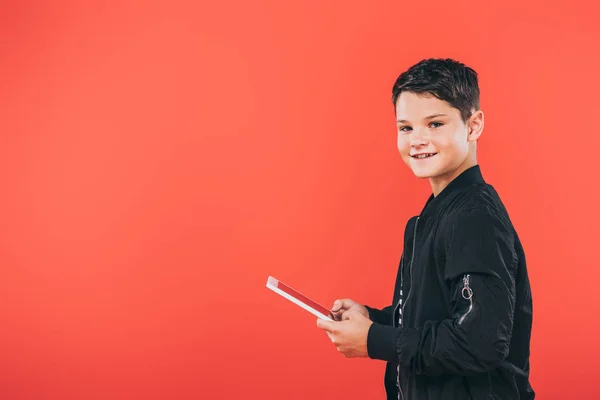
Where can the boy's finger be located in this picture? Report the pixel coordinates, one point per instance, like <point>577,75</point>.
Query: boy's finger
<point>337,305</point>
<point>337,315</point>
<point>325,325</point>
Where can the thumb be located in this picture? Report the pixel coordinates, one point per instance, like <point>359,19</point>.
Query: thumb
<point>337,305</point>
<point>342,304</point>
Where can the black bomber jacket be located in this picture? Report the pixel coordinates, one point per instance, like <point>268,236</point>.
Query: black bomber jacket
<point>459,325</point>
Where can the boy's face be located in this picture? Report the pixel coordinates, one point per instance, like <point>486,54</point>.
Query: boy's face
<point>433,140</point>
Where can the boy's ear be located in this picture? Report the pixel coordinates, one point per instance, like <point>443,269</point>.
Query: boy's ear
<point>475,125</point>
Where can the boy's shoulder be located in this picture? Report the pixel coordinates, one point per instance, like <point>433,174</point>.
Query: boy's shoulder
<point>476,202</point>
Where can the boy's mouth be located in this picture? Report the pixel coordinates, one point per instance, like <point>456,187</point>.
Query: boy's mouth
<point>423,155</point>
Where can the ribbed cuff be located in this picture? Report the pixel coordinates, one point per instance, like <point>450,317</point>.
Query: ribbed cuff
<point>382,342</point>
<point>371,311</point>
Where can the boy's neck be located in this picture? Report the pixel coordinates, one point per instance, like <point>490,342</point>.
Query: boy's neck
<point>440,182</point>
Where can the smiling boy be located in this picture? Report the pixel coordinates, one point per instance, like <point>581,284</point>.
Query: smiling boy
<point>459,325</point>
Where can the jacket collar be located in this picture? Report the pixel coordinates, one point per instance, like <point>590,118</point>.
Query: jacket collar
<point>467,178</point>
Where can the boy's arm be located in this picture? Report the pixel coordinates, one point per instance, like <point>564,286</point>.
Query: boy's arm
<point>480,264</point>
<point>383,316</point>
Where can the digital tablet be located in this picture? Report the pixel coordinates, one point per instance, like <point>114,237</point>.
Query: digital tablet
<point>299,299</point>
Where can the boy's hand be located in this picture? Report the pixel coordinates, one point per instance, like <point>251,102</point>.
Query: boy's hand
<point>349,335</point>
<point>340,307</point>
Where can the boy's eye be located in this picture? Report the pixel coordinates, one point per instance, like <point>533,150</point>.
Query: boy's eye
<point>436,124</point>
<point>405,129</point>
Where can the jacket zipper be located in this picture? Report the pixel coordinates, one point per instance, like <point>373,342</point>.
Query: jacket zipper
<point>467,294</point>
<point>412,257</point>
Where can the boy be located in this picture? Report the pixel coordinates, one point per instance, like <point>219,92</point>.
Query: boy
<point>459,325</point>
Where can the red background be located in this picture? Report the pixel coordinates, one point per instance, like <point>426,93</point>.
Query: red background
<point>159,160</point>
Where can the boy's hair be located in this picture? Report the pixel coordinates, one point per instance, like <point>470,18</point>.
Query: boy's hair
<point>446,79</point>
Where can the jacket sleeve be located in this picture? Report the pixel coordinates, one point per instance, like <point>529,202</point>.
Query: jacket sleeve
<point>383,316</point>
<point>480,260</point>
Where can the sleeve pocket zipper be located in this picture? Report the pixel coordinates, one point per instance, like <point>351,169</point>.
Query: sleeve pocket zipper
<point>467,294</point>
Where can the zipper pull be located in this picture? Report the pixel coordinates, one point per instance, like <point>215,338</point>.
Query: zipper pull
<point>467,292</point>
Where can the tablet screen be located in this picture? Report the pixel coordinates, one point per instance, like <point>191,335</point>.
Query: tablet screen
<point>298,296</point>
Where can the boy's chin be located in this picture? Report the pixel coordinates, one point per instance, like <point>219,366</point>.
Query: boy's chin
<point>423,174</point>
